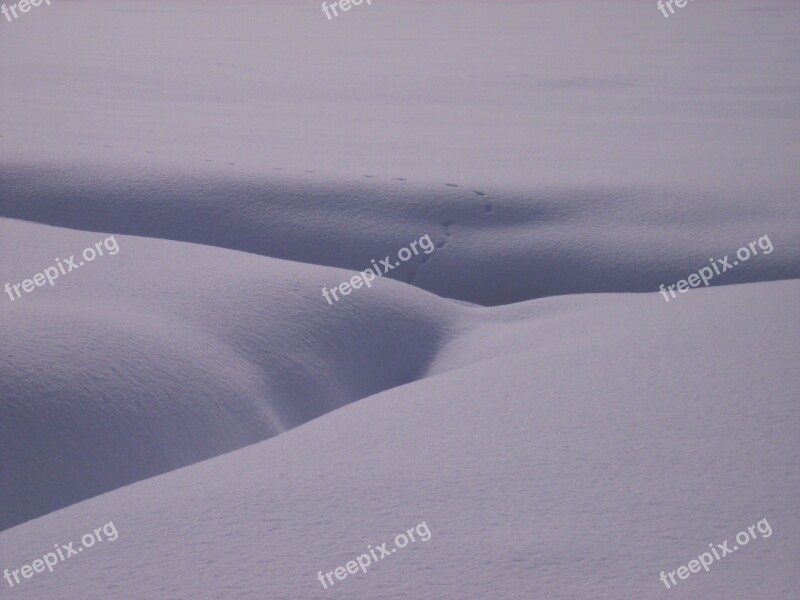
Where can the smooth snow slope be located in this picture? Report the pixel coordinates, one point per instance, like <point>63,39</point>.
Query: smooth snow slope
<point>168,353</point>
<point>575,467</point>
<point>507,247</point>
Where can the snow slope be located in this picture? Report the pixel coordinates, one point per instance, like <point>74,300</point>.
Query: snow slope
<point>503,248</point>
<point>167,353</point>
<point>622,442</point>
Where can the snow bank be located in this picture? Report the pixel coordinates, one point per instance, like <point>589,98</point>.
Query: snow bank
<point>611,441</point>
<point>506,248</point>
<point>168,353</point>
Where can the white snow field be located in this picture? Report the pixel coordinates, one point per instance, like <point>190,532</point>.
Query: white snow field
<point>563,431</point>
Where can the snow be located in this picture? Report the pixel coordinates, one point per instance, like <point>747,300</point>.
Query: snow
<point>500,249</point>
<point>169,353</point>
<point>550,471</point>
<point>564,432</point>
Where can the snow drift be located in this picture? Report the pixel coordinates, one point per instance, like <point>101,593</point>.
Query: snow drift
<point>168,353</point>
<point>511,246</point>
<point>612,436</point>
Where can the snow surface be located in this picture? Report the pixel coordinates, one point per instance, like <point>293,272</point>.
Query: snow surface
<point>564,432</point>
<point>508,247</point>
<point>169,353</point>
<point>575,467</point>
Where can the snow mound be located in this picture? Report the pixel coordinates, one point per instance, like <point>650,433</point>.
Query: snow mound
<point>506,247</point>
<point>168,353</point>
<point>626,438</point>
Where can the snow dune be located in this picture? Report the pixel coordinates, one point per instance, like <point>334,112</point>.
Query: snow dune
<point>620,442</point>
<point>169,353</point>
<point>506,247</point>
